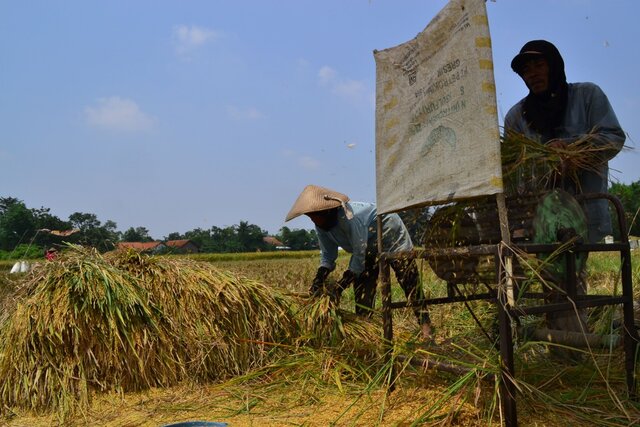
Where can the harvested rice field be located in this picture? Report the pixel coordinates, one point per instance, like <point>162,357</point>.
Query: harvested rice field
<point>127,340</point>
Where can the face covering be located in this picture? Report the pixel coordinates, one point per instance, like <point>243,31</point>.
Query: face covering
<point>327,219</point>
<point>544,112</point>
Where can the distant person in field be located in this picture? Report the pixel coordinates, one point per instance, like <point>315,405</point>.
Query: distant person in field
<point>51,254</point>
<point>557,113</point>
<point>353,227</point>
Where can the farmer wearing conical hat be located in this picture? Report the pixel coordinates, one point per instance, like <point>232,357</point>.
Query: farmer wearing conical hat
<point>353,227</point>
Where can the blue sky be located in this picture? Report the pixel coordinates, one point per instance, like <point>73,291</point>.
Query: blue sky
<point>175,115</point>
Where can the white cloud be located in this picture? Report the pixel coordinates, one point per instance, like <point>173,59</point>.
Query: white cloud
<point>308,163</point>
<point>349,88</point>
<point>189,38</point>
<point>115,113</point>
<point>250,113</point>
<point>353,90</point>
<point>305,162</point>
<point>326,74</point>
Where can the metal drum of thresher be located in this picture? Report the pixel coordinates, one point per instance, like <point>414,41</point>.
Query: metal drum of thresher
<point>560,219</point>
<point>548,217</point>
<point>453,226</point>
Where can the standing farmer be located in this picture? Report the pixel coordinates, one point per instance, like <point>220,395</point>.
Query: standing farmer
<point>558,114</point>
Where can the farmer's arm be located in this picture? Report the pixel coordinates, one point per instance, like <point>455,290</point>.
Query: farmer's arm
<point>328,250</point>
<point>358,235</point>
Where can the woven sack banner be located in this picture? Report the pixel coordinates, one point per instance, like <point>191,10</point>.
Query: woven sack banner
<point>437,135</point>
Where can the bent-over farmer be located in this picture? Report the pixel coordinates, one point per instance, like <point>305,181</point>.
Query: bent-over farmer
<point>353,227</point>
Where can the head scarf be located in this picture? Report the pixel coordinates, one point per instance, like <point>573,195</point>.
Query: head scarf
<point>544,112</point>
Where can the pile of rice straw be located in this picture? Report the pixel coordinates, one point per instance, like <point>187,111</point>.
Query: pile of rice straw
<point>123,322</point>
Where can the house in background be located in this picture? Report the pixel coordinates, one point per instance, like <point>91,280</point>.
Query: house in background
<point>275,243</point>
<point>184,246</point>
<point>272,241</point>
<point>143,247</point>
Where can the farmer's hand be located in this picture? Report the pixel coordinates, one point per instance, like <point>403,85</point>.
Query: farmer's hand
<point>560,144</point>
<point>317,286</point>
<point>335,292</point>
<point>567,160</point>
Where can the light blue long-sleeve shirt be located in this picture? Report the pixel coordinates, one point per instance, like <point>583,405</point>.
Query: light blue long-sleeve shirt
<point>358,236</point>
<point>588,112</point>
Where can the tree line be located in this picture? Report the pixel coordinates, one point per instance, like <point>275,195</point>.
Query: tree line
<point>629,196</point>
<point>26,232</point>
<point>23,230</point>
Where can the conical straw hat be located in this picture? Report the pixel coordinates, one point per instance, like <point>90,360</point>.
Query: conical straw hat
<point>315,198</point>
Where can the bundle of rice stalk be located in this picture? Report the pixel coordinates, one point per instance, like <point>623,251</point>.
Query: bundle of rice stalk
<point>324,324</point>
<point>79,324</point>
<point>321,321</point>
<point>221,325</point>
<point>528,165</point>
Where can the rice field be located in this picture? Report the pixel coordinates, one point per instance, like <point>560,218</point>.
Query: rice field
<point>129,340</point>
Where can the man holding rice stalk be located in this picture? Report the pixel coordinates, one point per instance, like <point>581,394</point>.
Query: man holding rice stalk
<point>577,132</point>
<point>573,119</point>
<point>353,227</point>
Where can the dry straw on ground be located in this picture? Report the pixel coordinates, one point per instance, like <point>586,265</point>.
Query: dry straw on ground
<point>88,323</point>
<point>126,322</point>
<point>305,379</point>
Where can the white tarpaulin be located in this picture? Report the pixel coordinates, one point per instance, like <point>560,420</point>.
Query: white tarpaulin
<point>437,136</point>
